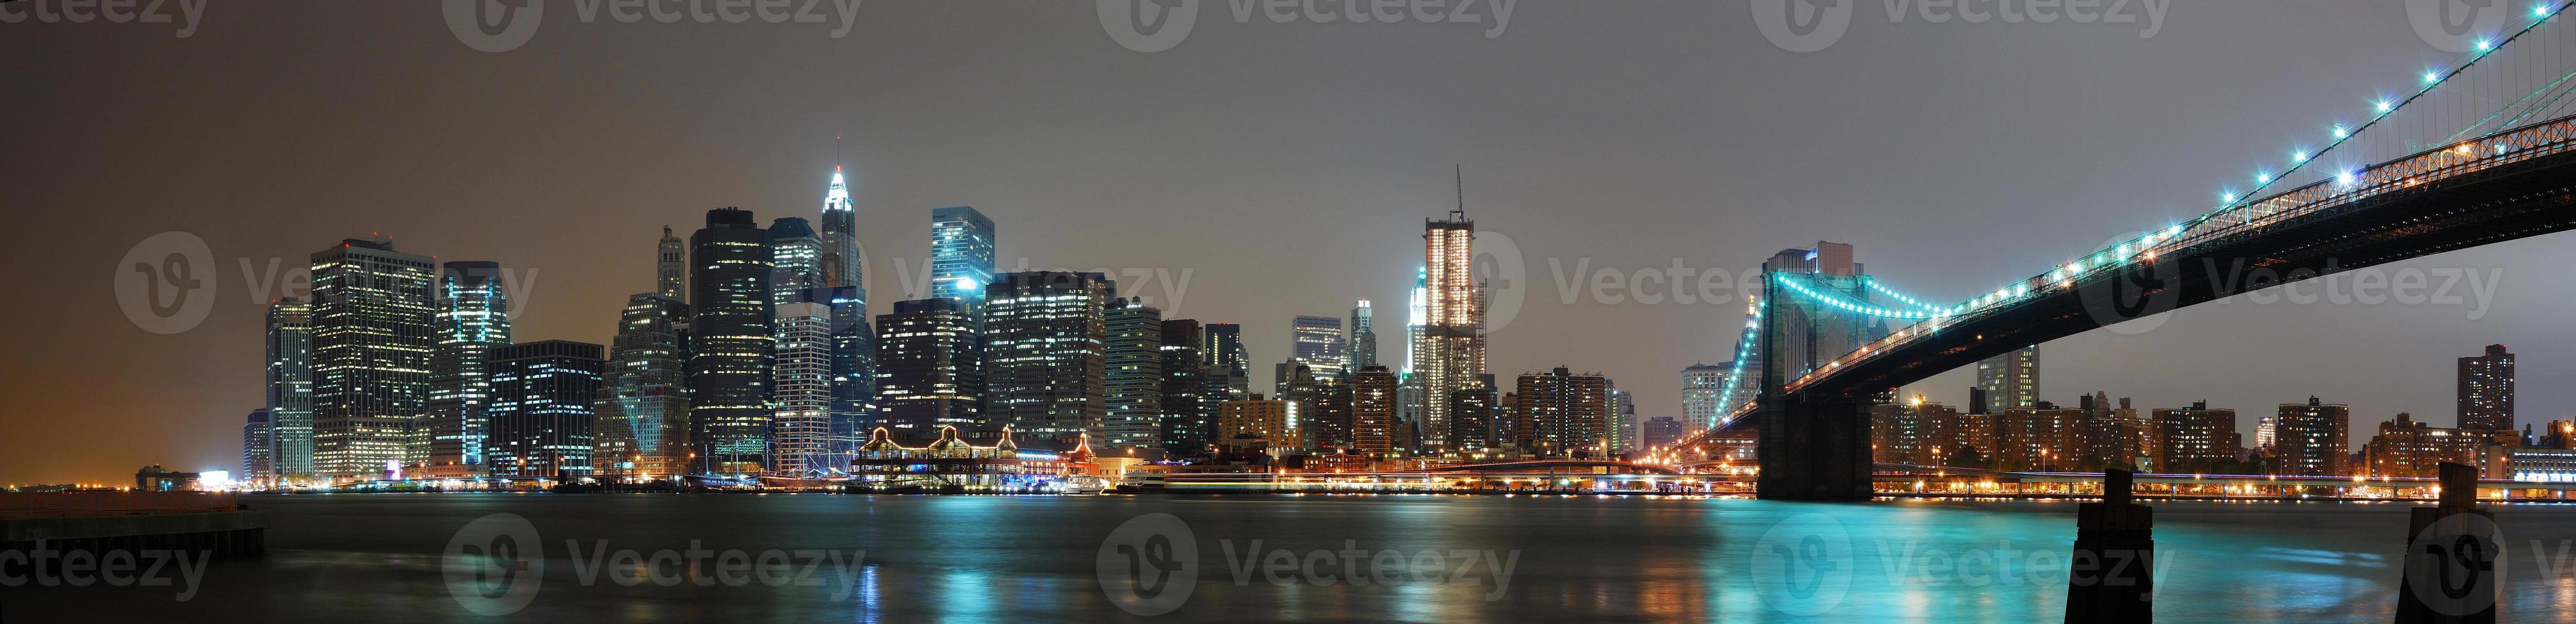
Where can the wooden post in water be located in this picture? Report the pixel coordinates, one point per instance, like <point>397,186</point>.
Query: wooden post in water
<point>2111,577</point>
<point>2451,557</point>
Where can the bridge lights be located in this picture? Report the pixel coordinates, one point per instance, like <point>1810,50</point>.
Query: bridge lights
<point>2340,132</point>
<point>2431,77</point>
<point>2541,11</point>
<point>2384,107</point>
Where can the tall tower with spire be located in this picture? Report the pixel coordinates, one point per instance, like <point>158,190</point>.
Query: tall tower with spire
<point>1450,351</point>
<point>853,345</point>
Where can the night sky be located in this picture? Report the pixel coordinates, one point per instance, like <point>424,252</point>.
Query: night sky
<point>1284,169</point>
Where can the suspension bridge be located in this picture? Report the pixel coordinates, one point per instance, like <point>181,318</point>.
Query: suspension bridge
<point>2480,152</point>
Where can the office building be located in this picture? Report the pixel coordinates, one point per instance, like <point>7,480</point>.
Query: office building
<point>921,380</point>
<point>1135,379</point>
<point>671,266</point>
<point>1660,432</point>
<point>289,387</point>
<point>373,334</point>
<point>259,449</point>
<point>800,382</point>
<point>1186,426</point>
<point>473,319</point>
<point>961,255</point>
<point>1229,365</point>
<point>1045,344</point>
<point>1318,345</point>
<point>641,432</point>
<point>543,396</point>
<point>731,343</point>
<point>2406,447</point>
<point>2011,380</point>
<point>1363,341</point>
<point>1274,422</point>
<point>1373,412</point>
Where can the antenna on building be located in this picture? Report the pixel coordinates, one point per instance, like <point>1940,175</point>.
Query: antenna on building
<point>1461,213</point>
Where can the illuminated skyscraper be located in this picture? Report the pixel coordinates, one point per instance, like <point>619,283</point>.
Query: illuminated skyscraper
<point>1135,374</point>
<point>543,394</point>
<point>800,382</point>
<point>642,430</point>
<point>1363,345</point>
<point>473,319</point>
<point>961,255</point>
<point>921,386</point>
<point>671,266</point>
<point>1319,345</point>
<point>1373,411</point>
<point>854,383</point>
<point>289,387</point>
<point>730,342</point>
<point>1229,366</point>
<point>796,259</point>
<point>1703,389</point>
<point>1045,337</point>
<point>1451,349</point>
<point>1562,414</point>
<point>259,450</point>
<point>2011,380</point>
<point>373,332</point>
<point>2486,390</point>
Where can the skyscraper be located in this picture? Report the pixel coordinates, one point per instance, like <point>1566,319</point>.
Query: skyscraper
<point>1045,340</point>
<point>473,319</point>
<point>289,387</point>
<point>1451,349</point>
<point>542,400</point>
<point>961,256</point>
<point>1373,411</point>
<point>1229,365</point>
<point>796,259</point>
<point>2012,379</point>
<point>1703,389</point>
<point>1319,345</point>
<point>259,450</point>
<point>800,382</point>
<point>2313,439</point>
<point>1186,427</point>
<point>1363,345</point>
<point>1135,374</point>
<point>843,265</point>
<point>671,267</point>
<point>730,342</point>
<point>642,429</point>
<point>373,330</point>
<point>2486,390</point>
<point>854,384</point>
<point>921,384</point>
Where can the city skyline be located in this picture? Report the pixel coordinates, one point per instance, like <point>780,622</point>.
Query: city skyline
<point>2404,367</point>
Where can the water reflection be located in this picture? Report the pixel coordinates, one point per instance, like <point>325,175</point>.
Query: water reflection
<point>982,559</point>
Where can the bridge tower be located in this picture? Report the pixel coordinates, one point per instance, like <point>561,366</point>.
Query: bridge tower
<point>1813,447</point>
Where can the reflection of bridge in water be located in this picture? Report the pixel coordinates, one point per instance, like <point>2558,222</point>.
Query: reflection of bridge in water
<point>2477,155</point>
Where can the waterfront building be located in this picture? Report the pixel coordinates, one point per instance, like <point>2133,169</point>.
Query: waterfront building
<point>473,319</point>
<point>2310,439</point>
<point>1134,378</point>
<point>543,402</point>
<point>731,343</point>
<point>921,377</point>
<point>641,432</point>
<point>373,335</point>
<point>1045,340</point>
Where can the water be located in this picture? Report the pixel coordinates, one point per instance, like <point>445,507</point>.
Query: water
<point>377,558</point>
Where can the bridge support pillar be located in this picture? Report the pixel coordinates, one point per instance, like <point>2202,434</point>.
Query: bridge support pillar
<point>2451,557</point>
<point>1814,450</point>
<point>2111,576</point>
